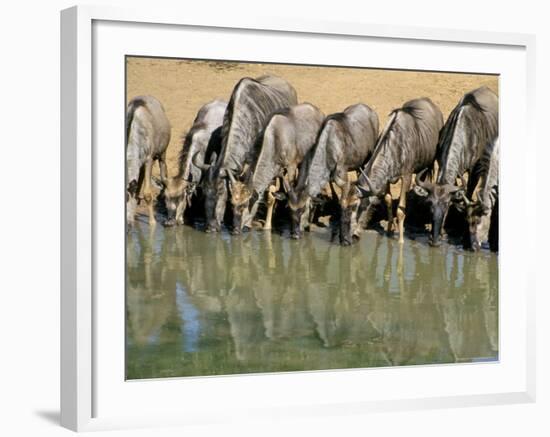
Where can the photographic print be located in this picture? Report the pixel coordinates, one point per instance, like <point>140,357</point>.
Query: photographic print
<point>298,217</point>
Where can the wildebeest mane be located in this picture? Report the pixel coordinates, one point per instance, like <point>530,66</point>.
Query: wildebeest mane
<point>337,116</point>
<point>383,138</point>
<point>316,162</point>
<point>185,150</point>
<point>303,168</point>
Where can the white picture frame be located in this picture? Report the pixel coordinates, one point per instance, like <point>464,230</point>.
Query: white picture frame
<point>85,373</point>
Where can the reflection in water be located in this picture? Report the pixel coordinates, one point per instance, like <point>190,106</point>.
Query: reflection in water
<point>207,304</point>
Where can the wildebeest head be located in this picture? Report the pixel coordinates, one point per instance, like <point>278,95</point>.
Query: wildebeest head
<point>177,195</point>
<point>354,201</point>
<point>214,192</point>
<point>477,218</point>
<point>299,204</point>
<point>240,195</point>
<point>439,198</point>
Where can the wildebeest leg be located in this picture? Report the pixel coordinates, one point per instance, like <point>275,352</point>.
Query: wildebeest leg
<point>148,192</point>
<point>179,211</point>
<point>270,204</point>
<point>389,207</point>
<point>364,215</point>
<point>470,188</point>
<point>163,168</point>
<point>405,186</point>
<point>141,177</point>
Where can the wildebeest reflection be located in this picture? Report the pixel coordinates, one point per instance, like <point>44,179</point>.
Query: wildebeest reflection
<point>198,304</point>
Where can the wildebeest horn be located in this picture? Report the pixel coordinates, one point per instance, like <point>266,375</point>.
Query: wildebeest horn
<point>366,179</point>
<point>420,182</point>
<point>288,188</point>
<point>231,176</point>
<point>289,191</point>
<point>201,165</point>
<point>466,200</point>
<point>246,166</point>
<point>160,184</point>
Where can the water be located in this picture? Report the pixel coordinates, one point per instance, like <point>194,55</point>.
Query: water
<point>213,304</point>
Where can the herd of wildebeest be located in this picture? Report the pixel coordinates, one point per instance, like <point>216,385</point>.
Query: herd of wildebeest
<point>264,147</point>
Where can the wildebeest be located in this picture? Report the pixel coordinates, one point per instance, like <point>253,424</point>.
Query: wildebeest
<point>479,210</point>
<point>471,126</point>
<point>287,138</point>
<point>147,137</point>
<point>406,146</point>
<point>252,103</point>
<point>345,141</point>
<point>179,189</point>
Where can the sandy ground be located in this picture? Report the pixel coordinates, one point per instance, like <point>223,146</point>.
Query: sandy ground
<point>183,86</point>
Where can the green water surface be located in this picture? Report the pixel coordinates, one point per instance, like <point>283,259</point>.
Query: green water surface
<point>214,304</point>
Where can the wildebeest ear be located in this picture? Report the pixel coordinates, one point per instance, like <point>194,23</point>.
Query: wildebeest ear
<point>132,187</point>
<point>460,206</point>
<point>458,195</point>
<point>420,191</point>
<point>190,186</point>
<point>362,192</point>
<point>279,195</point>
<point>159,183</point>
<point>480,209</point>
<point>459,199</point>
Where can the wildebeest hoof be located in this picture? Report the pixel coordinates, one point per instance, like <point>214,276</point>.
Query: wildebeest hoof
<point>435,243</point>
<point>345,243</point>
<point>475,247</point>
<point>169,223</point>
<point>295,236</point>
<point>235,232</point>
